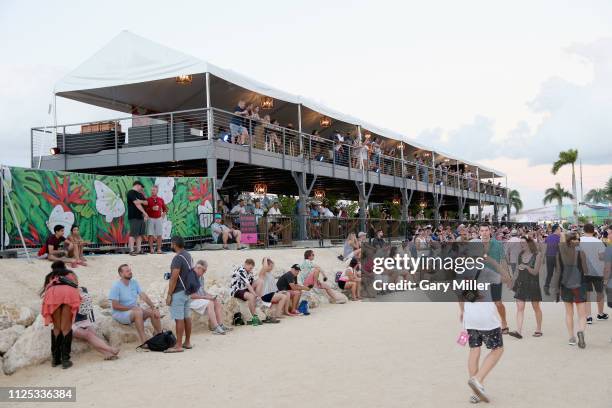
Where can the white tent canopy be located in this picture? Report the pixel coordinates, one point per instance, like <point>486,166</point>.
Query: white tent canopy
<point>131,72</point>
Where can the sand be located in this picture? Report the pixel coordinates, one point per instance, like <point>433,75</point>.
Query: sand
<point>361,354</point>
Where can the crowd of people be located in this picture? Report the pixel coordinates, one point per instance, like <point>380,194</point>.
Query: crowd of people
<point>367,152</point>
<point>531,263</point>
<point>67,305</point>
<point>570,265</point>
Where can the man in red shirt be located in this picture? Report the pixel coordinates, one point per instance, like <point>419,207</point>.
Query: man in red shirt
<point>156,210</point>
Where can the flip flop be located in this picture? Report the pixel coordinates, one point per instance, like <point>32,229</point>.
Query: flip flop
<point>515,334</point>
<point>110,358</point>
<point>187,347</point>
<point>537,334</point>
<point>173,350</point>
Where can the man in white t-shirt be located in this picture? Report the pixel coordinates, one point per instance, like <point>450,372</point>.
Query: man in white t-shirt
<point>482,322</point>
<point>594,250</point>
<point>274,210</point>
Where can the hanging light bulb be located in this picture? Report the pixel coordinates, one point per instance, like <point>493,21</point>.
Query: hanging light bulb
<point>267,102</point>
<point>260,188</point>
<point>325,122</point>
<point>184,79</point>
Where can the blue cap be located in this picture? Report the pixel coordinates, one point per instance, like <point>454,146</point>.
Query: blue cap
<point>217,216</point>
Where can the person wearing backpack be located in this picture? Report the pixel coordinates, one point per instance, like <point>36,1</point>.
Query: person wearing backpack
<point>179,294</point>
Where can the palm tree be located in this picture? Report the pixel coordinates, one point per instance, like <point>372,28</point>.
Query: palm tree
<point>597,195</point>
<point>557,194</point>
<point>568,157</point>
<point>515,200</point>
<point>609,188</point>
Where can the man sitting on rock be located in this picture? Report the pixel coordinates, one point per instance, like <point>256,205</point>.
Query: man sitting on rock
<point>242,288</point>
<point>124,295</point>
<point>309,276</point>
<point>288,283</point>
<point>54,252</point>
<point>202,302</point>
<point>222,234</point>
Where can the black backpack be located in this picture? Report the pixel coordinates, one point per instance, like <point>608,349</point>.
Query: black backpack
<point>160,342</point>
<point>192,284</point>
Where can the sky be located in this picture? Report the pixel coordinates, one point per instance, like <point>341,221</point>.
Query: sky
<point>505,84</point>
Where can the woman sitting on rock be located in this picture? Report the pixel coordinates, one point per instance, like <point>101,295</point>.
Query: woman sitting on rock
<point>83,328</point>
<point>350,281</point>
<point>60,305</point>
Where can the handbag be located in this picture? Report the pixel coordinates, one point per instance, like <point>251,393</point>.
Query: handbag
<point>463,337</point>
<point>160,342</point>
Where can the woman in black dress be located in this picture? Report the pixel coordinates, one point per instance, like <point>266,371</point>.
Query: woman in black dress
<point>527,286</point>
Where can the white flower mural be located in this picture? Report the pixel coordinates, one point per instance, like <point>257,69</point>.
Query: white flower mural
<point>167,229</point>
<point>60,217</point>
<point>166,187</point>
<point>108,203</point>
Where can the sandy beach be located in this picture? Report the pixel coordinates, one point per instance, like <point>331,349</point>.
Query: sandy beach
<point>361,354</point>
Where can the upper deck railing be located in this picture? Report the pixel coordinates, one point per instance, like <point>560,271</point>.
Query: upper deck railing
<point>111,136</point>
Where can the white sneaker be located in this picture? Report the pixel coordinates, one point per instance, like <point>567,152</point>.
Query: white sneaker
<point>218,330</point>
<point>478,389</point>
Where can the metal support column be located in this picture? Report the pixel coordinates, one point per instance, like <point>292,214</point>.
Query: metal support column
<point>304,193</point>
<point>300,129</point>
<point>211,171</point>
<point>364,198</point>
<point>209,114</point>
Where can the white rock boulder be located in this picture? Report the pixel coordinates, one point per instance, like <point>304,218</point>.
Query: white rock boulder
<point>9,336</point>
<point>11,314</point>
<point>34,347</point>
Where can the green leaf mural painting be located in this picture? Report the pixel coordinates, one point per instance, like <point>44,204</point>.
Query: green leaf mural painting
<point>97,204</point>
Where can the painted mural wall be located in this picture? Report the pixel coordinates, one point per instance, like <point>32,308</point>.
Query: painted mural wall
<point>97,204</point>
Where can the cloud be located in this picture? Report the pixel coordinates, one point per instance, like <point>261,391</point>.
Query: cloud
<point>573,116</point>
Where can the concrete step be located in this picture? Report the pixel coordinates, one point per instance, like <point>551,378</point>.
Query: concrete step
<point>312,243</point>
<point>216,247</point>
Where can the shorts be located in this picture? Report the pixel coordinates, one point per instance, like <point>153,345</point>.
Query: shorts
<point>492,338</point>
<point>137,227</point>
<point>268,297</point>
<point>199,305</point>
<point>496,292</point>
<point>240,294</point>
<point>594,283</point>
<point>123,316</point>
<point>236,130</point>
<point>574,295</point>
<point>155,227</point>
<point>310,280</point>
<point>341,284</point>
<point>180,306</point>
<point>230,238</point>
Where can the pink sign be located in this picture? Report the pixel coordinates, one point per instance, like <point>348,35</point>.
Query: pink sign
<point>248,228</point>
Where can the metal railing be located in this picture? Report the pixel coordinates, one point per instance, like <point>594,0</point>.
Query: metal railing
<point>193,125</point>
